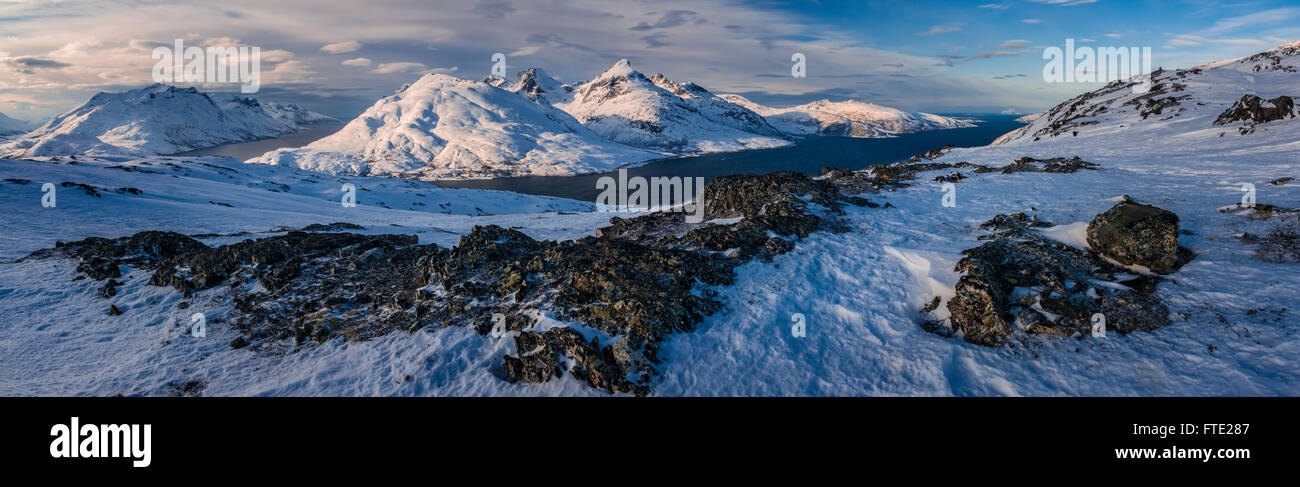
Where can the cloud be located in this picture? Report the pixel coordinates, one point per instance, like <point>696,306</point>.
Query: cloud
<point>525,51</point>
<point>994,6</point>
<point>940,29</point>
<point>1191,40</point>
<point>493,9</point>
<point>361,61</point>
<point>403,67</point>
<point>1114,35</point>
<point>341,47</point>
<point>1032,21</point>
<point>1014,44</point>
<point>1010,111</point>
<point>1254,20</point>
<point>656,40</point>
<point>1010,76</point>
<point>671,18</point>
<point>1064,3</point>
<point>29,64</point>
<point>993,54</point>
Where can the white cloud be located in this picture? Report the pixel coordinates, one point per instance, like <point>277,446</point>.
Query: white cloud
<point>361,61</point>
<point>940,29</point>
<point>1014,44</point>
<point>1065,3</point>
<point>341,47</point>
<point>409,67</point>
<point>526,51</point>
<point>1032,21</point>
<point>1113,35</point>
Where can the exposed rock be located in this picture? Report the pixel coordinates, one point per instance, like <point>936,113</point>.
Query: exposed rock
<point>1136,234</point>
<point>332,227</point>
<point>1019,281</point>
<point>1053,165</point>
<point>101,258</point>
<point>1280,246</point>
<point>1255,110</point>
<point>639,280</point>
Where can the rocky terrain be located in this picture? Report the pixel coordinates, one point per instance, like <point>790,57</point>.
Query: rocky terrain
<point>627,289</point>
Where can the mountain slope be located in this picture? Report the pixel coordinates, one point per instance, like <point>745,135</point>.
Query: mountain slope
<point>1246,97</point>
<point>285,112</point>
<point>625,106</point>
<point>848,118</point>
<point>157,119</point>
<point>444,127</point>
<point>11,127</point>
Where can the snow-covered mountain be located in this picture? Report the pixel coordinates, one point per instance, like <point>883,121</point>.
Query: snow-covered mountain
<point>625,106</point>
<point>286,112</point>
<point>158,119</point>
<point>10,127</point>
<point>1246,97</point>
<point>536,83</point>
<point>1029,118</point>
<point>444,127</point>
<point>847,118</point>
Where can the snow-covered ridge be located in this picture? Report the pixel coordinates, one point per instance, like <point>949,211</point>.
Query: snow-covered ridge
<point>157,119</point>
<point>442,127</point>
<point>1187,103</point>
<point>848,118</point>
<point>10,126</point>
<point>625,106</point>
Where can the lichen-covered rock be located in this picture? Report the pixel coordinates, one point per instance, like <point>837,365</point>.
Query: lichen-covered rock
<point>1019,281</point>
<point>1255,110</point>
<point>1135,234</point>
<point>101,258</point>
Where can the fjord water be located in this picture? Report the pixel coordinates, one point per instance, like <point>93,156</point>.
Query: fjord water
<point>806,156</point>
<point>247,150</point>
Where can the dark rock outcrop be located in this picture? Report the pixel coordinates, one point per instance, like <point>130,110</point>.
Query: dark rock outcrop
<point>1256,110</point>
<point>101,258</point>
<point>1019,281</point>
<point>1135,234</point>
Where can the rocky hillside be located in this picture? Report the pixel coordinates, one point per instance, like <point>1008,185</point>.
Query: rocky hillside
<point>1251,96</point>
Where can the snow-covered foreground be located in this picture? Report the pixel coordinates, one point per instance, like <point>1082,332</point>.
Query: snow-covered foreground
<point>860,291</point>
<point>1234,317</point>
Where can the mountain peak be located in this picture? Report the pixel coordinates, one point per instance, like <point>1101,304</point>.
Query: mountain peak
<point>621,68</point>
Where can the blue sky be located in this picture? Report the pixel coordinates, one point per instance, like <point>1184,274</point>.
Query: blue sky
<point>338,57</point>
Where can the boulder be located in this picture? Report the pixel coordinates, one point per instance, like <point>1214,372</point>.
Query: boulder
<point>1135,234</point>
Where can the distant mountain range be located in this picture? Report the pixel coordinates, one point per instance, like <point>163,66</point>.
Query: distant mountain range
<point>159,119</point>
<point>847,118</point>
<point>10,127</point>
<point>446,127</point>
